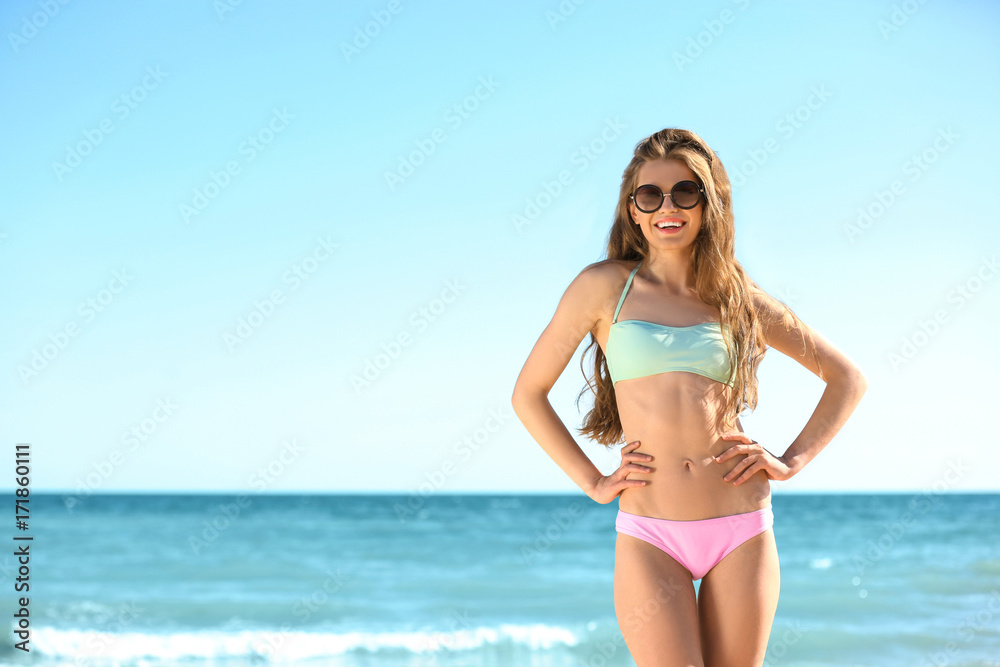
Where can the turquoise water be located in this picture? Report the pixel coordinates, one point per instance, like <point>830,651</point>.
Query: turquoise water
<point>880,580</point>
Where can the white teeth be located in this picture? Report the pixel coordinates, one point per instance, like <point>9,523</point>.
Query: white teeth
<point>664,225</point>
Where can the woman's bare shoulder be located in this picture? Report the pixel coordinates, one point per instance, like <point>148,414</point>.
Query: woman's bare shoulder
<point>599,284</point>
<point>601,278</point>
<point>608,270</point>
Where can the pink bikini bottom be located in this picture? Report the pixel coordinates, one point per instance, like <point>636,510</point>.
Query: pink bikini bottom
<point>697,545</point>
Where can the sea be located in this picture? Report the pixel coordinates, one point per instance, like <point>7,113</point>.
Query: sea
<point>880,580</point>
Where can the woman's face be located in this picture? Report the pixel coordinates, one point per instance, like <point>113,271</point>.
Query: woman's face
<point>665,174</point>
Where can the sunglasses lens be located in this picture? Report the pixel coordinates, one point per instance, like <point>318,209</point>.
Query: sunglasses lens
<point>685,194</point>
<point>648,198</point>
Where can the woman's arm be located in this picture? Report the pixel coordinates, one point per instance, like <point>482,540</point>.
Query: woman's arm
<point>845,383</point>
<point>836,404</point>
<point>576,315</point>
<point>540,419</point>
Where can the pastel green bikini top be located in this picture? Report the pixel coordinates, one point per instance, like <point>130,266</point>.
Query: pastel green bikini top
<point>637,348</point>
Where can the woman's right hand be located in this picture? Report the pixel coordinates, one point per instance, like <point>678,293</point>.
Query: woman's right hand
<point>607,488</point>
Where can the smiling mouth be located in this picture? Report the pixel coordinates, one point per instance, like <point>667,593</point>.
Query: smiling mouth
<point>669,224</point>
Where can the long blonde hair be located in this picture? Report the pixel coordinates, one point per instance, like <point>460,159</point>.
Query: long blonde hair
<point>720,280</point>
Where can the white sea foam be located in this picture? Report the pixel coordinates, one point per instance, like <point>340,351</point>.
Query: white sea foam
<point>291,645</point>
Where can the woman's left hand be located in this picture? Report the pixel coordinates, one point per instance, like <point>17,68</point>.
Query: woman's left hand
<point>757,459</point>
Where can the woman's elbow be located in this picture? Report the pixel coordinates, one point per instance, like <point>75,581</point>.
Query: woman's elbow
<point>849,380</point>
<point>524,394</point>
<point>862,381</point>
<point>854,379</point>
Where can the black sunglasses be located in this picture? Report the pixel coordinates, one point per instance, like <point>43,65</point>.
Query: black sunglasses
<point>649,198</point>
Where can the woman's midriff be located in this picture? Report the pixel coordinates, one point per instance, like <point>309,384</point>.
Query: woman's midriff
<point>676,417</point>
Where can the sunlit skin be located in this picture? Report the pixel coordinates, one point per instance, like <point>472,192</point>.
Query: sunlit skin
<point>690,469</point>
<point>680,462</point>
<point>675,417</point>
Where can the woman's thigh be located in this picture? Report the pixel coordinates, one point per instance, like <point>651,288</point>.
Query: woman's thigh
<point>656,606</point>
<point>737,601</point>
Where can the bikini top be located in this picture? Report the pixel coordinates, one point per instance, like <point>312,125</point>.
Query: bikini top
<point>637,348</point>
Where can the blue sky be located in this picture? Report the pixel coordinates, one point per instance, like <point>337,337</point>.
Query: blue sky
<point>217,216</point>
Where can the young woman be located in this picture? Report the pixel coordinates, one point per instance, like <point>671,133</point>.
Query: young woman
<point>681,330</point>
